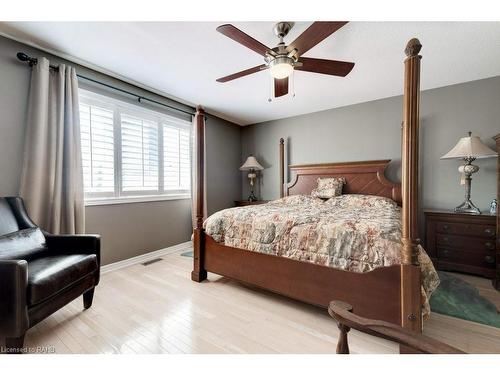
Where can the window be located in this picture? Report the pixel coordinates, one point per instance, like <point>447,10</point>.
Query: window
<point>96,126</point>
<point>140,154</point>
<point>131,153</point>
<point>176,158</point>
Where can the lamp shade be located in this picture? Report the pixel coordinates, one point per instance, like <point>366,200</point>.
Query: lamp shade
<point>251,163</point>
<point>469,147</point>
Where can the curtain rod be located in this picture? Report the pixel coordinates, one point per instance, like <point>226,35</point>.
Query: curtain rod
<point>33,61</point>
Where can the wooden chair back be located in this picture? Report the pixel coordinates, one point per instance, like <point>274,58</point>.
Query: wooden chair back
<point>343,314</point>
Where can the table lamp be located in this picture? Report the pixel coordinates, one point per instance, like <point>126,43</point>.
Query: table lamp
<point>251,165</point>
<point>469,149</point>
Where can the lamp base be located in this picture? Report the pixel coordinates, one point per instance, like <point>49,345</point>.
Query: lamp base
<point>468,169</point>
<point>467,207</point>
<point>252,197</point>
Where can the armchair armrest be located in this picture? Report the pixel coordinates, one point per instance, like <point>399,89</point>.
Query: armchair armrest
<point>75,244</point>
<point>13,310</point>
<point>342,313</point>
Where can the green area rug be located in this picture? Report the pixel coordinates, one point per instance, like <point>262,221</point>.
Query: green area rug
<point>188,254</point>
<point>456,297</point>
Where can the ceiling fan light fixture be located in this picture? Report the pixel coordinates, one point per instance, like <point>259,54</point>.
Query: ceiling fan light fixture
<point>281,67</point>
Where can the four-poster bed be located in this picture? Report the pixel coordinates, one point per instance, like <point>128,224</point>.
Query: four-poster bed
<point>390,293</point>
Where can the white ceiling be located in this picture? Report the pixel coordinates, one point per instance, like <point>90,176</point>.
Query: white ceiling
<point>183,59</point>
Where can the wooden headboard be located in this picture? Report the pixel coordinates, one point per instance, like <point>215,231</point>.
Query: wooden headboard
<point>362,177</point>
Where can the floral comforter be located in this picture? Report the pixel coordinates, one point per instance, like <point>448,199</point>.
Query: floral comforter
<point>351,232</point>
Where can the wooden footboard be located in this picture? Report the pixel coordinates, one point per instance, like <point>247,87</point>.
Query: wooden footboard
<point>375,294</point>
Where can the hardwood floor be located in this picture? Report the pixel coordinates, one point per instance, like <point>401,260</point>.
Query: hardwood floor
<point>158,309</point>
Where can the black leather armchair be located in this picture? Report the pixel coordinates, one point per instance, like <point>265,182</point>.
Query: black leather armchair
<point>40,272</point>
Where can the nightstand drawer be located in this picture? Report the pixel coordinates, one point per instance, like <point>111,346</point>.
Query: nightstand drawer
<point>478,230</point>
<point>467,243</point>
<point>470,258</point>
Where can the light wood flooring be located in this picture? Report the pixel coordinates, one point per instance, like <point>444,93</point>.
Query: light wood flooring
<point>158,309</point>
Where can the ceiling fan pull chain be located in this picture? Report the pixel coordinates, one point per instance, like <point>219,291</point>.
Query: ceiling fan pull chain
<point>270,90</point>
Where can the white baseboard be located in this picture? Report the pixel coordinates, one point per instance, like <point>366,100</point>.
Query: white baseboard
<point>145,257</point>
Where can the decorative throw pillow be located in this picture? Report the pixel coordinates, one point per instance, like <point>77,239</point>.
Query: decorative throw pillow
<point>328,187</point>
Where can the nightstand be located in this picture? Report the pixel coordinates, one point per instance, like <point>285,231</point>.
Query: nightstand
<point>248,203</point>
<point>461,242</point>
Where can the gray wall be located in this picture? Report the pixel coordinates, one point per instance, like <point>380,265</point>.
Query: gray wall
<point>371,131</point>
<point>223,153</point>
<point>131,229</point>
<point>128,229</point>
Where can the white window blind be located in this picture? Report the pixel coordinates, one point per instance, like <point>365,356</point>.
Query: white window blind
<point>130,152</point>
<point>97,148</point>
<point>177,160</point>
<point>140,153</point>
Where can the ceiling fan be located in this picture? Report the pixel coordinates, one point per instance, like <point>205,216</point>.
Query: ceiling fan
<point>283,59</point>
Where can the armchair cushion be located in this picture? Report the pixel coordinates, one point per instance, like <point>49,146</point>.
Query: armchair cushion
<point>24,244</point>
<point>49,275</point>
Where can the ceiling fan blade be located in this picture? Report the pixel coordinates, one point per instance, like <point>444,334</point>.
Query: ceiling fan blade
<point>243,73</point>
<point>280,87</point>
<point>313,35</point>
<point>331,67</point>
<point>239,36</point>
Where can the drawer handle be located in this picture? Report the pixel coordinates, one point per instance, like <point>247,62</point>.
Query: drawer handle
<point>489,231</point>
<point>489,259</point>
<point>446,253</point>
<point>446,227</point>
<point>446,239</point>
<point>489,245</point>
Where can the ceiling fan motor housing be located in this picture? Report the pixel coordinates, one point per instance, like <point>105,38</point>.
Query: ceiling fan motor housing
<point>279,54</point>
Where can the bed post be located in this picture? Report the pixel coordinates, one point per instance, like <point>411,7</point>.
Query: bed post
<point>199,273</point>
<point>411,317</point>
<point>282,167</point>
